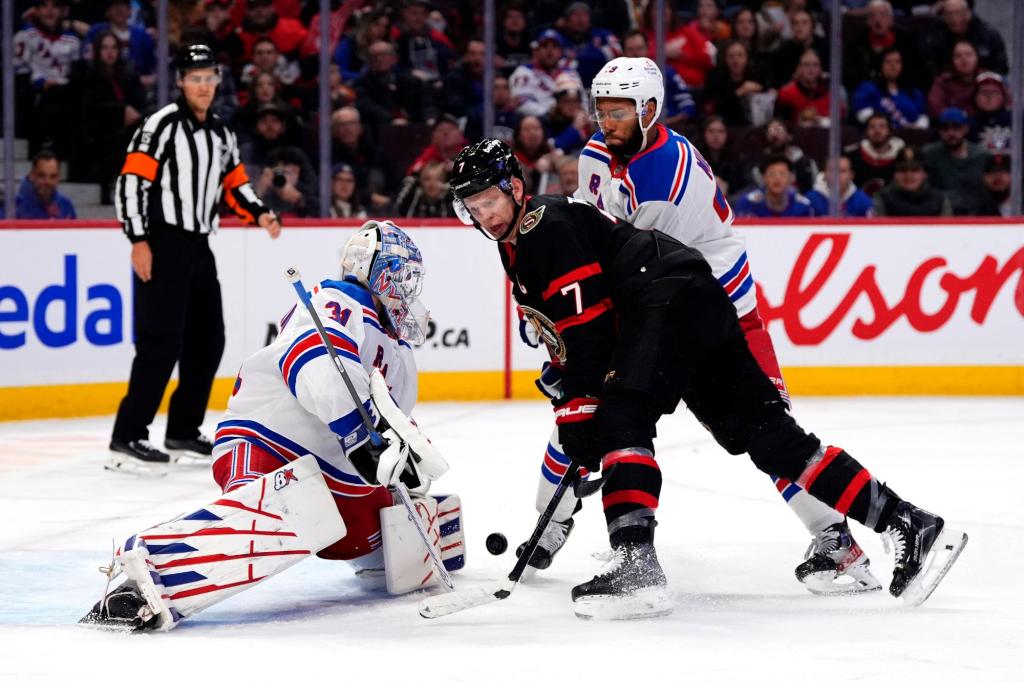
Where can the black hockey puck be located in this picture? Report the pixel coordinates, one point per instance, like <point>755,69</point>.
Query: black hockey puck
<point>496,543</point>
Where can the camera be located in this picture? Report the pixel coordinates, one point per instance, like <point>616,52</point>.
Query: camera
<point>280,178</point>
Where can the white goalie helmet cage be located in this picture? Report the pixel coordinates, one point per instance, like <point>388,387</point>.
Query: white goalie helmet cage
<point>384,259</point>
<point>635,78</point>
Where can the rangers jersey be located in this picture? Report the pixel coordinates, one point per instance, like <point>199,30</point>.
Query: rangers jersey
<point>290,401</point>
<point>671,188</point>
<point>45,56</point>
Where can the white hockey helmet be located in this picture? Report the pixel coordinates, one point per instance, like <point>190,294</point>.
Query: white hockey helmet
<point>635,78</point>
<point>385,260</point>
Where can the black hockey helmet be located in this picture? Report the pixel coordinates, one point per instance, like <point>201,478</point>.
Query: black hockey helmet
<point>488,163</point>
<point>197,56</point>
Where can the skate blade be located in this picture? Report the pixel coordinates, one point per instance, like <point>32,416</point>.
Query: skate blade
<point>833,584</point>
<point>126,464</point>
<point>93,622</point>
<point>940,559</point>
<point>649,602</point>
<point>188,458</point>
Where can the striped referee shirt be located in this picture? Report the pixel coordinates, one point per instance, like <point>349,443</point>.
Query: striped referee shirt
<point>176,171</point>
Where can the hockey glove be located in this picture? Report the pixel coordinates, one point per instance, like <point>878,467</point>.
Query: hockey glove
<point>528,332</point>
<point>577,432</point>
<point>550,380</point>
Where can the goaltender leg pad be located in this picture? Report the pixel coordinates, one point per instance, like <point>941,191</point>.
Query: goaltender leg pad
<point>407,564</point>
<point>552,469</point>
<point>251,533</point>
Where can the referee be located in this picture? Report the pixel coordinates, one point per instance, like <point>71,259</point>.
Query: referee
<point>180,162</point>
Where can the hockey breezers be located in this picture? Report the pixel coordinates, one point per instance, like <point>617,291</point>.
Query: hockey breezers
<point>446,604</point>
<point>293,277</point>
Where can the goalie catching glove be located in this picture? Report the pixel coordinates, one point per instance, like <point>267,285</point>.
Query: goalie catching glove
<point>406,455</point>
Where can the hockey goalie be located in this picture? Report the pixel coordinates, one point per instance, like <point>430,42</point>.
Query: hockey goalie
<point>295,462</point>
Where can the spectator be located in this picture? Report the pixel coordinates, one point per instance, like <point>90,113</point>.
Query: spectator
<point>909,193</point>
<point>224,40</point>
<point>686,48</point>
<point>729,166</point>
<point>506,118</point>
<point>182,16</point>
<point>772,25</point>
<point>270,134</point>
<point>354,147</point>
<point>43,56</point>
<point>345,201</point>
<point>776,198</point>
<point>567,125</point>
<point>261,20</point>
<point>956,85</point>
<point>534,153</point>
<point>679,105</point>
<point>288,184</point>
<point>955,165</point>
<point>709,22</point>
<point>744,30</point>
<point>990,124</point>
<point>533,84</point>
<point>872,158</point>
<point>995,197</point>
<point>464,85</point>
<point>787,58</point>
<point>862,58</point>
<point>853,203</point>
<point>591,47</point>
<point>136,45</point>
<point>568,168</point>
<point>779,141</point>
<point>731,83</point>
<point>956,22</point>
<point>446,141</point>
<point>891,94</point>
<point>805,99</point>
<point>111,101</point>
<point>423,52</point>
<point>352,53</point>
<point>266,59</point>
<point>513,46</point>
<point>425,195</point>
<point>38,197</point>
<point>264,89</point>
<point>385,95</point>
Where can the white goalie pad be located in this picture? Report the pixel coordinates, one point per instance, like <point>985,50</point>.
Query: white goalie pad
<point>249,534</point>
<point>407,564</point>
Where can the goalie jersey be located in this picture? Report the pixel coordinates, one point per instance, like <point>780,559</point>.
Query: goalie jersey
<point>669,187</point>
<point>290,401</point>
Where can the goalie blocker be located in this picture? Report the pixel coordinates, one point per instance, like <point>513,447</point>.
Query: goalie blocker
<point>181,567</point>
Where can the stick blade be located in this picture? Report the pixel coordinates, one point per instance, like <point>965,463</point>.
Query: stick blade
<point>438,605</point>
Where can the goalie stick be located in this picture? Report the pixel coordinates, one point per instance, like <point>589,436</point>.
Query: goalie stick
<point>445,604</point>
<point>293,277</point>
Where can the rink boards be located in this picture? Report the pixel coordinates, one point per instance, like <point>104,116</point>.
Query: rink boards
<point>854,308</point>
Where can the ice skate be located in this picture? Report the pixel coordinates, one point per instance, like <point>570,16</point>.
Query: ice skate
<point>836,565</point>
<point>137,457</point>
<point>630,585</point>
<point>924,549</point>
<point>550,543</point>
<point>198,450</point>
<point>123,609</point>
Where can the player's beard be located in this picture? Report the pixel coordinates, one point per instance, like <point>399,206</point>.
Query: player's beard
<point>631,147</point>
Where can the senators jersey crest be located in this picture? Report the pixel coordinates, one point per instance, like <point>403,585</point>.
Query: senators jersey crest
<point>531,220</point>
<point>546,331</point>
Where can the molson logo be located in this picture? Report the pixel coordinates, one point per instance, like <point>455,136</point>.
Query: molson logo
<point>985,282</point>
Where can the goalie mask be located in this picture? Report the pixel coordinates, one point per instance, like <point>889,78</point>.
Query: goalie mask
<point>383,258</point>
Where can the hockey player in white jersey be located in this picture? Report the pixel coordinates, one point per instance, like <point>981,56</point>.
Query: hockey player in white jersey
<point>294,460</point>
<point>640,171</point>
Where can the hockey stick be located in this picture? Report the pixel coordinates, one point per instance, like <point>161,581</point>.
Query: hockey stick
<point>293,277</point>
<point>453,602</point>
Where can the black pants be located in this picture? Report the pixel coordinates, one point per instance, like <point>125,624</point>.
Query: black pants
<point>694,350</point>
<point>178,320</point>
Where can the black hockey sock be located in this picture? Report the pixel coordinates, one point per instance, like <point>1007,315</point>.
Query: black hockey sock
<point>842,483</point>
<point>631,494</point>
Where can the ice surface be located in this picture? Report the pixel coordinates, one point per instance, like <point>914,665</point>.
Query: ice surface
<point>726,540</point>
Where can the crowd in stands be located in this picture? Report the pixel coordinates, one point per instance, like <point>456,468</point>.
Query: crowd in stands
<point>925,109</point>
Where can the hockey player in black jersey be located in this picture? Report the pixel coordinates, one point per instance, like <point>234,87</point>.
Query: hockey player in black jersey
<point>639,323</point>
